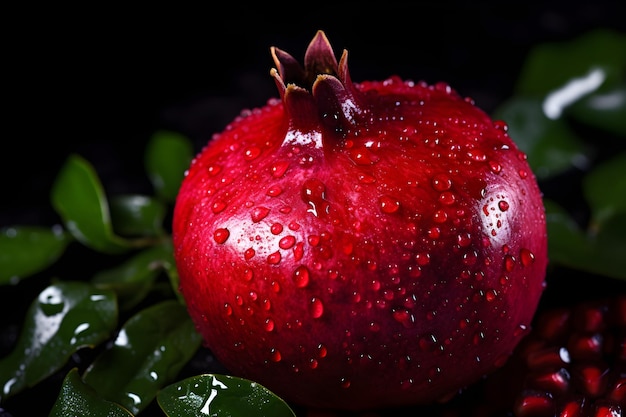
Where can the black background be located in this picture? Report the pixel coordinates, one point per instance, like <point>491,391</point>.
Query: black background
<point>100,81</point>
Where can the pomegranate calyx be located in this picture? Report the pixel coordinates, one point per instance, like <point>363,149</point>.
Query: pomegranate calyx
<point>322,91</point>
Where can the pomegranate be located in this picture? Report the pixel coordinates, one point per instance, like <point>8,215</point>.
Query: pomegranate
<point>360,245</point>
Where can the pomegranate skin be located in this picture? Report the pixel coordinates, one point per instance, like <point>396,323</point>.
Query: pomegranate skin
<point>360,245</point>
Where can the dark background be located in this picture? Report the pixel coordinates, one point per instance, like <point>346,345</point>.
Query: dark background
<point>100,82</point>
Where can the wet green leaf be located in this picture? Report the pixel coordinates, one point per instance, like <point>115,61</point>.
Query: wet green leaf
<point>78,399</point>
<point>221,396</point>
<point>79,199</point>
<point>584,78</point>
<point>26,250</point>
<point>137,215</point>
<point>167,157</point>
<point>64,318</point>
<point>550,66</point>
<point>149,352</point>
<point>552,146</point>
<point>600,252</point>
<point>133,279</point>
<point>605,189</point>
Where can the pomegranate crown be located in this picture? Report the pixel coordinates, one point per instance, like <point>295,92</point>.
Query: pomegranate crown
<point>322,89</point>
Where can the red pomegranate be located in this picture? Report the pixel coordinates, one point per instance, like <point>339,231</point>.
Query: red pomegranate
<point>360,245</point>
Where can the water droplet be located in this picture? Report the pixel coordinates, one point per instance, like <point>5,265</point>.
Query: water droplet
<point>345,383</point>
<point>298,251</point>
<point>228,310</point>
<point>422,258</point>
<point>314,195</point>
<point>259,213</point>
<point>251,153</point>
<point>218,206</point>
<point>316,308</point>
<point>248,274</point>
<point>495,167</point>
<point>274,258</point>
<point>249,254</point>
<point>464,239</point>
<point>214,169</point>
<point>509,263</point>
<point>274,191</point>
<point>313,363</point>
<point>523,173</point>
<point>388,204</point>
<point>491,295</point>
<point>279,168</point>
<point>441,182</point>
<point>440,216</point>
<point>447,198</point>
<point>503,205</point>
<point>428,343</point>
<point>221,235</point>
<point>322,351</point>
<point>269,325</point>
<point>276,228</point>
<point>275,355</point>
<point>434,232</point>
<point>403,317</point>
<point>526,256</point>
<point>287,242</point>
<point>301,276</point>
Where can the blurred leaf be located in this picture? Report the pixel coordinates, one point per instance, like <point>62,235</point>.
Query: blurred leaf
<point>64,318</point>
<point>552,146</point>
<point>221,395</point>
<point>79,199</point>
<point>150,350</point>
<point>600,253</point>
<point>584,78</point>
<point>167,157</point>
<point>550,66</point>
<point>26,250</point>
<point>134,279</point>
<point>137,215</point>
<point>605,189</point>
<point>78,399</point>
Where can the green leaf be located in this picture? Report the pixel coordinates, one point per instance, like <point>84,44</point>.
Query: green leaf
<point>26,250</point>
<point>167,157</point>
<point>552,65</point>
<point>133,279</point>
<point>221,396</point>
<point>79,199</point>
<point>64,318</point>
<point>605,189</point>
<point>78,399</point>
<point>150,350</point>
<point>584,78</point>
<point>137,215</point>
<point>552,146</point>
<point>601,252</point>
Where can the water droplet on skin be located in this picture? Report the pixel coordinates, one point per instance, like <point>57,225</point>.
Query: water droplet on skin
<point>228,310</point>
<point>495,167</point>
<point>269,325</point>
<point>248,274</point>
<point>313,363</point>
<point>249,254</point>
<point>388,204</point>
<point>275,355</point>
<point>214,170</point>
<point>316,308</point>
<point>314,195</point>
<point>503,205</point>
<point>287,242</point>
<point>259,213</point>
<point>279,169</point>
<point>298,251</point>
<point>441,182</point>
<point>345,383</point>
<point>464,240</point>
<point>527,257</point>
<point>509,263</point>
<point>251,153</point>
<point>274,258</point>
<point>276,228</point>
<point>322,351</point>
<point>491,295</point>
<point>274,191</point>
<point>403,317</point>
<point>522,173</point>
<point>447,198</point>
<point>440,216</point>
<point>301,276</point>
<point>221,235</point>
<point>218,206</point>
